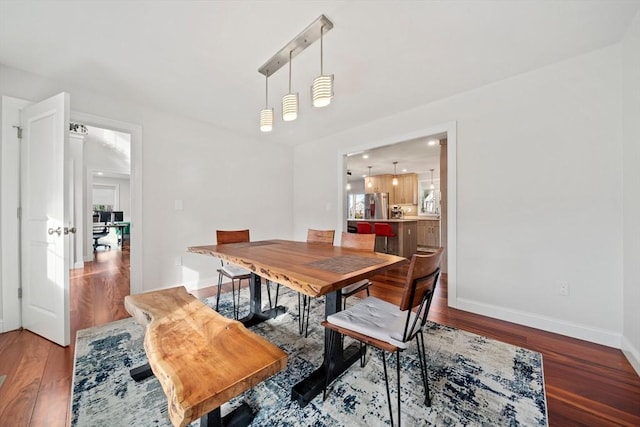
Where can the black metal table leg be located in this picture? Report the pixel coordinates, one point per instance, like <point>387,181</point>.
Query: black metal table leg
<point>336,359</point>
<point>239,417</point>
<point>256,315</point>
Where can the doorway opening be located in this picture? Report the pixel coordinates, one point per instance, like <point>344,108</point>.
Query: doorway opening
<point>108,183</point>
<point>427,158</point>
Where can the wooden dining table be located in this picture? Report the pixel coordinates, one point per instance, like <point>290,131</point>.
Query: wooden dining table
<point>315,270</point>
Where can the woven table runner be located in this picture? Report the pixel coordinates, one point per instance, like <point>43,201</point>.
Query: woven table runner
<point>344,264</point>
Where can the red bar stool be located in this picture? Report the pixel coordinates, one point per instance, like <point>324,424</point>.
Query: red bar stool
<point>364,228</point>
<point>383,229</point>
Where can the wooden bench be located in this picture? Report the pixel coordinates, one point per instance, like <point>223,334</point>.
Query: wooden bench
<point>202,359</point>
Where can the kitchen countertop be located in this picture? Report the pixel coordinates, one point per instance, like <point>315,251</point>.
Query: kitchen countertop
<point>424,217</point>
<point>387,220</point>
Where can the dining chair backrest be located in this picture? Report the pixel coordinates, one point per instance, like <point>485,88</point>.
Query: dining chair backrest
<point>232,236</point>
<point>365,242</point>
<point>420,285</point>
<point>320,236</point>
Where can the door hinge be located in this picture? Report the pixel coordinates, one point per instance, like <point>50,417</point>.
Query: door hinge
<point>18,131</point>
<point>19,292</point>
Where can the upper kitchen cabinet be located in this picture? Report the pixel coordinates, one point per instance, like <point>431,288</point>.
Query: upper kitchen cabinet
<point>406,192</point>
<point>379,184</point>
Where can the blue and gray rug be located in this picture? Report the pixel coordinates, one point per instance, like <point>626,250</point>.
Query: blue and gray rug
<point>474,380</point>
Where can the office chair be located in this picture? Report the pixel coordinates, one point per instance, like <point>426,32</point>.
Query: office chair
<point>100,231</point>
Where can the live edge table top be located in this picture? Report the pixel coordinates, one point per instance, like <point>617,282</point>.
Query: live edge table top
<point>310,268</point>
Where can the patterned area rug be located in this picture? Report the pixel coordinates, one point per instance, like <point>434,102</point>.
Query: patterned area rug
<point>474,380</point>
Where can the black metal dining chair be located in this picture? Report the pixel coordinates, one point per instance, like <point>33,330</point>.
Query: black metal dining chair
<point>390,327</point>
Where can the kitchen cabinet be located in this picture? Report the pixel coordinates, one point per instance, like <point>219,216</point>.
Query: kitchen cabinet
<point>379,184</point>
<point>405,193</point>
<point>429,233</point>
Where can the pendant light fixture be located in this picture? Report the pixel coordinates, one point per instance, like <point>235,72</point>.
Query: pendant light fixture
<point>290,100</point>
<point>432,186</point>
<point>322,87</point>
<point>266,115</point>
<point>394,181</point>
<point>369,178</point>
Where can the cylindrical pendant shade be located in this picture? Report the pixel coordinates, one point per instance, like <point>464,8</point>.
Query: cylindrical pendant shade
<point>266,120</point>
<point>394,181</point>
<point>290,107</point>
<point>322,91</point>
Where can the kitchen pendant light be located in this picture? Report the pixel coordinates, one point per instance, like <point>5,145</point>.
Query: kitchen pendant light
<point>432,186</point>
<point>369,178</point>
<point>322,87</point>
<point>266,115</point>
<point>290,100</point>
<point>394,181</point>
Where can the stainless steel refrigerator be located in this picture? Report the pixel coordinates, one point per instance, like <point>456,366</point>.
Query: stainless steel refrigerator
<point>376,206</point>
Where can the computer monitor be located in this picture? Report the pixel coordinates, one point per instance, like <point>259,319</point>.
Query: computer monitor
<point>104,216</point>
<point>117,216</point>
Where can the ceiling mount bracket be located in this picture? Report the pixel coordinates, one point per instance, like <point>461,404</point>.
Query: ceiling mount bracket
<point>297,45</point>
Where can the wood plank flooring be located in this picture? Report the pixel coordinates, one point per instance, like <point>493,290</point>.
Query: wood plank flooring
<point>586,384</point>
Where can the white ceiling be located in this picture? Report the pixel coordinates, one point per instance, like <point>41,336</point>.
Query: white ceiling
<point>200,58</point>
<point>414,156</point>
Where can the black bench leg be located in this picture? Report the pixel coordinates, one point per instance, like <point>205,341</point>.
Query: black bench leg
<point>239,417</point>
<point>140,373</point>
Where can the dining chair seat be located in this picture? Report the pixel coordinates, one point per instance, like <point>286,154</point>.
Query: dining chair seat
<point>375,318</point>
<point>235,272</point>
<point>355,287</point>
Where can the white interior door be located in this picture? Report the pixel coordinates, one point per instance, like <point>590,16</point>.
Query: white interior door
<point>44,225</point>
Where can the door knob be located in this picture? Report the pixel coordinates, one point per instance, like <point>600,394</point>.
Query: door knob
<point>57,230</point>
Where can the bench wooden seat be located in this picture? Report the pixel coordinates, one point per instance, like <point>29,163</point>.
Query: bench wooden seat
<point>202,359</point>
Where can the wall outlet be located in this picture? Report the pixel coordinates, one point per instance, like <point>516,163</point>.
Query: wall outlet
<point>178,261</point>
<point>563,287</point>
<point>177,205</point>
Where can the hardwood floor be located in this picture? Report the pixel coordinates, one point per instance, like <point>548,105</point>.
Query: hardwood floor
<point>586,384</point>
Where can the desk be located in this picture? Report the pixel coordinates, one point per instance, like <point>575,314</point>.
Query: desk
<point>121,227</point>
<point>314,270</point>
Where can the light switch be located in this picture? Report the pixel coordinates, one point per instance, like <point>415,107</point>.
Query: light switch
<point>177,205</point>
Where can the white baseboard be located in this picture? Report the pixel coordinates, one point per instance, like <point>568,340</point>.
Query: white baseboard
<point>190,285</point>
<point>2,326</point>
<point>79,265</point>
<point>200,283</point>
<point>557,326</point>
<point>632,354</point>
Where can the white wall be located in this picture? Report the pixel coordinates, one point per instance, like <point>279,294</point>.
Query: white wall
<point>224,181</point>
<point>124,193</point>
<point>100,156</point>
<point>631,204</point>
<point>539,193</point>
